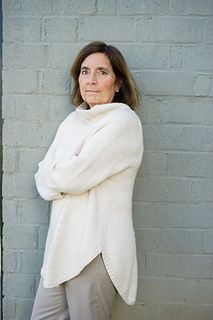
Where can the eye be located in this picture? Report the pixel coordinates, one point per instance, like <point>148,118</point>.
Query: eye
<point>84,72</point>
<point>102,72</point>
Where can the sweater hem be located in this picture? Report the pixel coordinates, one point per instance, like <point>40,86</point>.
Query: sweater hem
<point>68,276</point>
<point>113,277</point>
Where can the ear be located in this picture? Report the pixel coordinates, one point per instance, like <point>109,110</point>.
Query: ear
<point>118,85</point>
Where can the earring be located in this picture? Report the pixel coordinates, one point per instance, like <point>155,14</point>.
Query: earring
<point>117,90</point>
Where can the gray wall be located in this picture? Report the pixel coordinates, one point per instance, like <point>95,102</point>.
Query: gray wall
<point>169,47</point>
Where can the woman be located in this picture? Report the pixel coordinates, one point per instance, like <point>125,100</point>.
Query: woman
<point>88,173</point>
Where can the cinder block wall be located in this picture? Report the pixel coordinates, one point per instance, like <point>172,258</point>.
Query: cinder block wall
<point>169,47</point>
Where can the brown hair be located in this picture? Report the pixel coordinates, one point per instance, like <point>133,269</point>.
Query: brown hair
<point>128,92</point>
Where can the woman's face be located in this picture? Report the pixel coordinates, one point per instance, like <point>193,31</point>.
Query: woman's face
<point>97,80</point>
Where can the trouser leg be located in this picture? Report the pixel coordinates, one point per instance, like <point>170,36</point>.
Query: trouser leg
<point>91,294</point>
<point>50,303</point>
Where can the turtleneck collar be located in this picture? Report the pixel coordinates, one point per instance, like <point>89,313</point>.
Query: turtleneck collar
<point>98,111</point>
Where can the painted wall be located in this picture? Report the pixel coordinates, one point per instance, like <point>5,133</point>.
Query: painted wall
<point>169,47</point>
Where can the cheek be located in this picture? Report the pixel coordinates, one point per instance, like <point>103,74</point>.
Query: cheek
<point>80,82</point>
<point>109,87</point>
<point>81,86</point>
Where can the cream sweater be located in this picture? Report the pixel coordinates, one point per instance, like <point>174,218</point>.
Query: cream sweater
<point>89,173</point>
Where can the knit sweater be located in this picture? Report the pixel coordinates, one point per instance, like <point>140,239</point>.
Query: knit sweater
<point>89,173</point>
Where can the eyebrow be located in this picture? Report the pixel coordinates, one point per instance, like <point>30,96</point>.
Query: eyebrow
<point>98,68</point>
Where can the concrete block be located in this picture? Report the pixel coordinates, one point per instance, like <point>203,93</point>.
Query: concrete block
<point>124,7</point>
<point>197,191</point>
<point>10,261</point>
<point>141,265</point>
<point>19,81</point>
<point>9,308</point>
<point>168,290</point>
<point>61,57</point>
<point>146,56</point>
<point>143,29</point>
<point>155,109</point>
<point>21,29</point>
<point>211,88</point>
<point>29,159</point>
<point>33,108</point>
<point>19,286</point>
<point>46,134</point>
<point>209,190</point>
<point>207,142</point>
<point>176,57</point>
<point>101,27</point>
<point>60,107</point>
<point>198,311</point>
<point>138,79</point>
<point>11,6</point>
<point>24,56</point>
<point>198,58</point>
<point>155,311</point>
<point>199,7</point>
<point>9,160</point>
<point>58,29</point>
<point>191,111</point>
<point>24,309</point>
<point>34,211</point>
<point>8,107</point>
<point>160,189</point>
<point>207,241</point>
<point>167,83</point>
<point>104,8</point>
<point>154,164</point>
<point>191,7</point>
<point>73,7</point>
<point>30,261</point>
<point>7,183</point>
<point>178,138</point>
<point>202,85</point>
<point>169,29</point>
<point>24,186</point>
<point>208,31</point>
<point>180,110</point>
<point>25,237</point>
<point>9,210</point>
<point>178,7</point>
<point>171,241</point>
<point>53,82</point>
<point>151,311</point>
<point>190,164</point>
<point>205,291</point>
<point>178,266</point>
<point>20,134</point>
<point>42,235</point>
<point>27,7</point>
<point>173,215</point>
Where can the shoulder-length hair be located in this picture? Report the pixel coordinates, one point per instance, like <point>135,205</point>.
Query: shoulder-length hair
<point>128,90</point>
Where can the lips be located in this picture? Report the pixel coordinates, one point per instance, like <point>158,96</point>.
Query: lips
<point>92,91</point>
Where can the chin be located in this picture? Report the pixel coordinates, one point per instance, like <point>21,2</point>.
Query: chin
<point>93,103</point>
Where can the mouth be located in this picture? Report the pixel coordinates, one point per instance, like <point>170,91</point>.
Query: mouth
<point>92,91</point>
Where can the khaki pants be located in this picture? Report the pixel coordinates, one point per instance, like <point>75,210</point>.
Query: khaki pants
<point>89,296</point>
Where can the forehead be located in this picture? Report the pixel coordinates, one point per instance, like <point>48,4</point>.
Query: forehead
<point>97,59</point>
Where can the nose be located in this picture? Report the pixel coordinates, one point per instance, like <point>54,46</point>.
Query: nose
<point>92,79</point>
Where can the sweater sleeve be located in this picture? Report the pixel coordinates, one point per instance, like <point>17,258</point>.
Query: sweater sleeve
<point>49,193</point>
<point>108,151</point>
